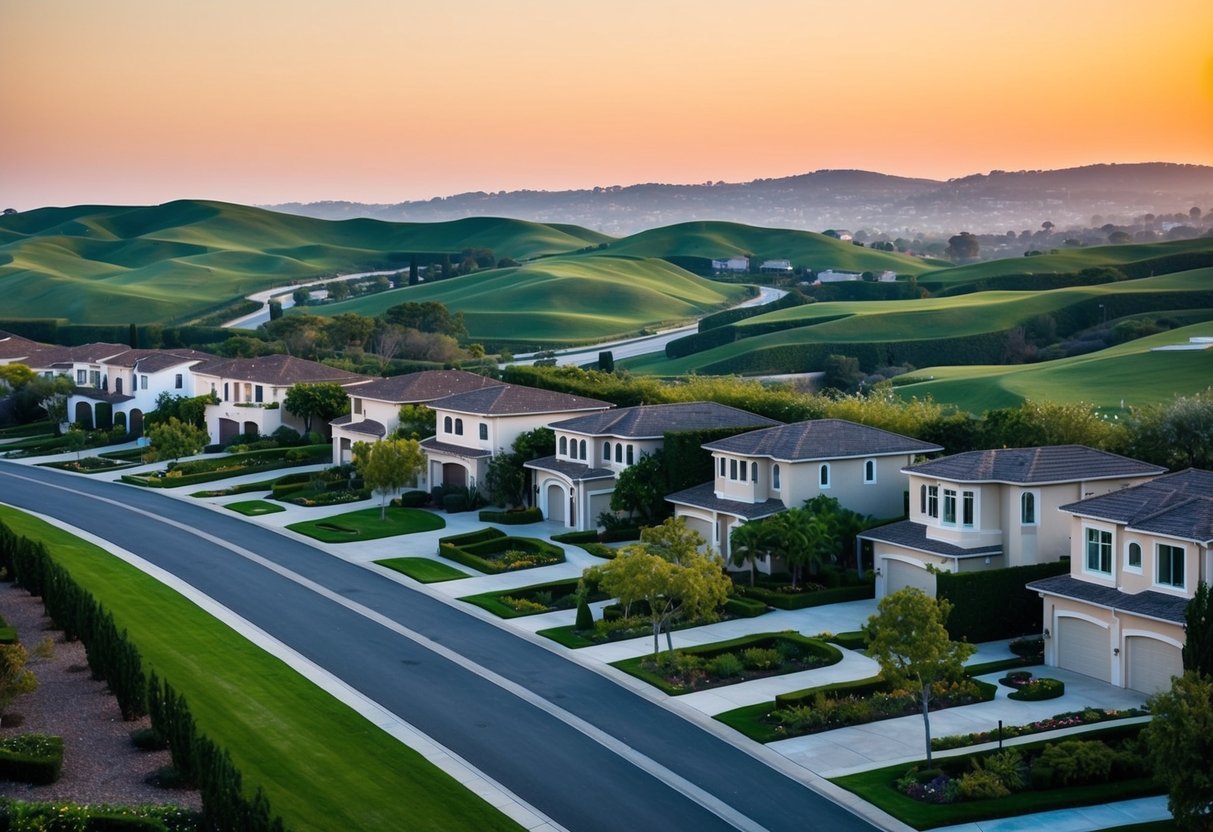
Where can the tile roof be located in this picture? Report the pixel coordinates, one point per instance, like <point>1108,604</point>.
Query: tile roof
<point>515,399</point>
<point>369,427</point>
<point>100,395</point>
<point>432,444</point>
<point>914,536</point>
<point>652,421</point>
<point>50,355</point>
<point>425,386</point>
<point>278,370</point>
<point>1176,505</point>
<point>1023,466</point>
<point>14,346</point>
<point>704,496</point>
<point>1150,604</point>
<point>574,471</point>
<point>152,361</point>
<point>820,439</point>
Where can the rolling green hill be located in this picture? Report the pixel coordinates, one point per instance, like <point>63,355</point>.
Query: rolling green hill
<point>1128,375</point>
<point>173,262</point>
<point>708,239</point>
<point>563,300</point>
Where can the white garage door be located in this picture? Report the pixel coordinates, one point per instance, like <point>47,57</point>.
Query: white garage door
<point>1084,648</point>
<point>900,574</point>
<point>1151,664</point>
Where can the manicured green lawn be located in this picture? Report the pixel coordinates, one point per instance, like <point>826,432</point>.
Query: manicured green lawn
<point>248,487</point>
<point>426,570</point>
<point>365,524</point>
<point>255,508</point>
<point>567,636</point>
<point>322,766</point>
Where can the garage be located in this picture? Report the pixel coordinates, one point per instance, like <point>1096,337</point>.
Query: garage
<point>1150,664</point>
<point>900,574</point>
<point>1084,648</point>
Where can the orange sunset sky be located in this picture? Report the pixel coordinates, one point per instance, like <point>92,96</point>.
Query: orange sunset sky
<point>262,101</point>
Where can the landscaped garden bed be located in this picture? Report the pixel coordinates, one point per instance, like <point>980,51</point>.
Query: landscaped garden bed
<point>425,570</point>
<point>330,487</point>
<point>620,624</point>
<point>31,758</point>
<point>1100,767</point>
<point>366,524</point>
<point>535,599</point>
<point>729,662</point>
<point>831,586</point>
<point>254,508</point>
<point>90,464</point>
<point>493,551</point>
<point>230,465</point>
<point>1028,689</point>
<point>231,491</point>
<point>1069,719</point>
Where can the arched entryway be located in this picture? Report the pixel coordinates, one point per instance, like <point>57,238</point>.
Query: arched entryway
<point>557,504</point>
<point>120,421</point>
<point>454,474</point>
<point>229,429</point>
<point>84,415</point>
<point>136,426</point>
<point>250,429</point>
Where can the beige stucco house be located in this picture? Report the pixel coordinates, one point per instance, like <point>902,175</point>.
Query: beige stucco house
<point>767,471</point>
<point>1136,558</point>
<point>575,485</point>
<point>993,509</point>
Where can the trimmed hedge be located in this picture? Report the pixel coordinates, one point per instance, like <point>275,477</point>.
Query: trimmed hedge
<point>993,605</point>
<point>412,499</point>
<point>519,517</point>
<point>475,553</point>
<point>744,607</point>
<point>31,758</point>
<point>1039,690</point>
<point>590,536</point>
<point>234,466</point>
<point>732,316</point>
<point>804,600</point>
<point>471,537</point>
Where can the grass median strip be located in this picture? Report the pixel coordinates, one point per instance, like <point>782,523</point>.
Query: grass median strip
<point>255,508</point>
<point>309,752</point>
<point>365,524</point>
<point>425,570</point>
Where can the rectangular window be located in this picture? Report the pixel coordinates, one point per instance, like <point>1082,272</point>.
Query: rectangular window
<point>225,391</point>
<point>968,500</point>
<point>753,472</point>
<point>484,432</point>
<point>722,466</point>
<point>258,393</point>
<point>933,501</point>
<point>732,469</point>
<point>94,377</point>
<point>1099,551</point>
<point>949,506</point>
<point>248,391</point>
<point>143,382</point>
<point>1171,565</point>
<point>82,377</point>
<point>357,407</point>
<point>745,474</point>
<point>180,382</point>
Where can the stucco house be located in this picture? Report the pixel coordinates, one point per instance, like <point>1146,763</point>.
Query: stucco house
<point>375,406</point>
<point>251,392</point>
<point>472,426</point>
<point>736,265</point>
<point>767,471</point>
<point>1136,558</point>
<point>575,485</point>
<point>133,380</point>
<point>992,509</point>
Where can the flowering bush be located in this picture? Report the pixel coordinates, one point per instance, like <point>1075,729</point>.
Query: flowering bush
<point>1069,719</point>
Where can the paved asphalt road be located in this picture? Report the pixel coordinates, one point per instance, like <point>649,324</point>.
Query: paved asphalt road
<point>561,718</point>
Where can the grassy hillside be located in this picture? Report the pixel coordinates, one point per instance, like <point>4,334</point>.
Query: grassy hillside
<point>796,339</point>
<point>563,300</point>
<point>723,239</point>
<point>1131,373</point>
<point>171,262</point>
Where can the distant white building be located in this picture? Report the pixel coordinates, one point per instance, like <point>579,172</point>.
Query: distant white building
<point>732,264</point>
<point>831,276</point>
<point>776,266</point>
<point>887,276</point>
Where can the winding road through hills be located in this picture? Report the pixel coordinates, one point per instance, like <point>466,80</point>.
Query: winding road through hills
<point>589,753</point>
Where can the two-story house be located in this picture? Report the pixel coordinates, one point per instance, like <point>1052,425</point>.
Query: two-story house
<point>472,426</point>
<point>992,509</point>
<point>133,380</point>
<point>375,406</point>
<point>592,450</point>
<point>1136,558</point>
<point>767,471</point>
<point>251,392</point>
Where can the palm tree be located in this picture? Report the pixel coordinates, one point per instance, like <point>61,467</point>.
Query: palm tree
<point>747,542</point>
<point>808,541</point>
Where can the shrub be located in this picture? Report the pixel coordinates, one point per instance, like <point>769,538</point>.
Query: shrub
<point>148,739</point>
<point>454,503</point>
<point>1038,690</point>
<point>761,658</point>
<point>725,666</point>
<point>31,758</point>
<point>412,499</point>
<point>477,536</point>
<point>1078,761</point>
<point>512,518</point>
<point>1007,765</point>
<point>987,606</point>
<point>585,616</point>
<point>980,785</point>
<point>1028,647</point>
<point>576,537</point>
<point>738,606</point>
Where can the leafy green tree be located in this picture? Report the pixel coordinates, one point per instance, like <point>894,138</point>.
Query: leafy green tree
<point>964,246</point>
<point>748,542</point>
<point>907,637</point>
<point>325,401</point>
<point>673,540</point>
<point>1179,742</point>
<point>16,376</point>
<point>535,444</point>
<point>174,439</point>
<point>275,309</point>
<point>191,410</point>
<point>51,395</point>
<point>76,440</point>
<point>505,479</point>
<point>301,296</point>
<point>427,316</point>
<point>388,465</point>
<point>301,335</point>
<point>14,678</point>
<point>349,330</point>
<point>640,489</point>
<point>1198,644</point>
<point>338,290</point>
<point>841,373</point>
<point>843,523</point>
<point>416,422</point>
<point>807,541</point>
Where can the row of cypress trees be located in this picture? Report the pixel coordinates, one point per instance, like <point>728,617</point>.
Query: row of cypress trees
<point>112,657</point>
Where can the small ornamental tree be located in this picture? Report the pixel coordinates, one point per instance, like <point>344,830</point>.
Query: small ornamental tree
<point>908,638</point>
<point>505,479</point>
<point>416,422</point>
<point>14,678</point>
<point>174,439</point>
<point>324,401</point>
<point>640,489</point>
<point>388,465</point>
<point>1179,742</point>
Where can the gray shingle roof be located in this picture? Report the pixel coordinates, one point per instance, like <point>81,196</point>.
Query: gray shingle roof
<point>278,370</point>
<point>820,439</point>
<point>575,471</point>
<point>425,386</point>
<point>1150,604</point>
<point>97,395</point>
<point>150,361</point>
<point>367,426</point>
<point>432,444</point>
<point>1176,505</point>
<point>652,421</point>
<point>515,399</point>
<point>704,496</point>
<point>914,536</point>
<point>1024,466</point>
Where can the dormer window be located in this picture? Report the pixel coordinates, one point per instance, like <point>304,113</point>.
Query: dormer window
<point>447,425</point>
<point>1098,551</point>
<point>458,427</point>
<point>1171,565</point>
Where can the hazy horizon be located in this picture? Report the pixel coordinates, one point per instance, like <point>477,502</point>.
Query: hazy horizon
<point>374,101</point>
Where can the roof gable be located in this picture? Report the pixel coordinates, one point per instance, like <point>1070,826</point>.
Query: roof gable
<point>652,421</point>
<point>1034,466</point>
<point>1176,505</point>
<point>820,439</point>
<point>278,370</point>
<point>516,400</point>
<point>424,386</point>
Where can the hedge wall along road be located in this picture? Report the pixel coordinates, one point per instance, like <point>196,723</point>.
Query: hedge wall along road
<point>993,605</point>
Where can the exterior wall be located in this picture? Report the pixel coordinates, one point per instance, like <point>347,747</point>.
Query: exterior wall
<point>883,498</point>
<point>1196,559</point>
<point>385,413</point>
<point>623,453</point>
<point>501,430</point>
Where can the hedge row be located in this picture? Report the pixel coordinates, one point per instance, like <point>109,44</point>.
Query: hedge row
<point>744,607</point>
<point>473,554</point>
<point>992,605</point>
<point>113,658</point>
<point>512,518</point>
<point>732,316</point>
<point>210,476</point>
<point>22,816</point>
<point>477,536</point>
<point>31,758</point>
<point>590,536</point>
<point>803,600</point>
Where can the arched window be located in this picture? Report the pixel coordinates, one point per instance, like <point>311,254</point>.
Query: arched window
<point>922,499</point>
<point>458,427</point>
<point>869,471</point>
<point>1027,508</point>
<point>619,452</point>
<point>606,451</point>
<point>581,447</point>
<point>775,476</point>
<point>564,446</point>
<point>446,425</point>
<point>484,431</point>
<point>1134,556</point>
<point>823,476</point>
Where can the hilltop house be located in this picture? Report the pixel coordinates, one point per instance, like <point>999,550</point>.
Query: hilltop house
<point>767,471</point>
<point>592,450</point>
<point>1136,558</point>
<point>776,267</point>
<point>733,265</point>
<point>992,509</point>
<point>474,425</point>
<point>251,391</point>
<point>375,406</point>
